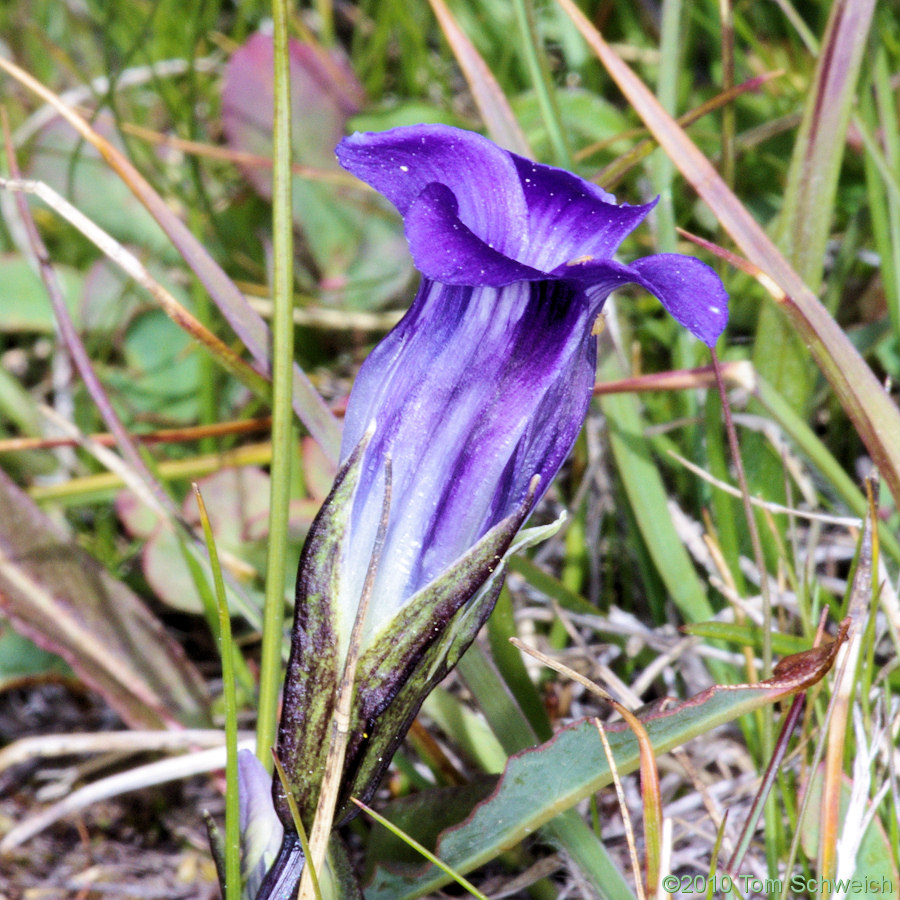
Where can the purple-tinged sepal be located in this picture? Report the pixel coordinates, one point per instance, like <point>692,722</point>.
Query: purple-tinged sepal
<point>423,642</point>
<point>319,634</point>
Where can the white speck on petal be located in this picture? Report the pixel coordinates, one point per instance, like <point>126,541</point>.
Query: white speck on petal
<point>404,168</point>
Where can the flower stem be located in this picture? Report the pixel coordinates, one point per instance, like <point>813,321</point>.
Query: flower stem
<point>232,886</point>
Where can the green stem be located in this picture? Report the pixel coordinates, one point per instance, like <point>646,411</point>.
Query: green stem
<point>282,375</point>
<point>663,169</point>
<point>232,886</point>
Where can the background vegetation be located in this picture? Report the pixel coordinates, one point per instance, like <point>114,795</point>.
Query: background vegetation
<point>99,559</point>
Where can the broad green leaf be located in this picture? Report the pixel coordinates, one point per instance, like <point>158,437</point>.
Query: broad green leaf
<point>540,783</point>
<point>23,297</point>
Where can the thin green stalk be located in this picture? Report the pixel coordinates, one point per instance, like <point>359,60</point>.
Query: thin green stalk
<point>888,240</point>
<point>663,169</point>
<point>229,694</point>
<point>542,82</point>
<point>298,825</point>
<point>282,375</point>
<point>422,850</point>
<point>726,13</point>
<point>766,732</point>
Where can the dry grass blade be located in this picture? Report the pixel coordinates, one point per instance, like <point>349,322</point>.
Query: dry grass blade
<point>623,807</point>
<point>248,325</point>
<point>159,436</point>
<point>491,101</point>
<point>48,746</point>
<point>649,773</point>
<point>841,521</point>
<point>738,373</point>
<point>160,772</point>
<point>135,269</point>
<point>867,403</point>
<point>74,345</point>
<point>609,175</point>
<point>862,603</point>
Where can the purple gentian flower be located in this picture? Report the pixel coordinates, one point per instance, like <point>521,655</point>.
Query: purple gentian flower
<point>487,379</point>
<point>476,398</point>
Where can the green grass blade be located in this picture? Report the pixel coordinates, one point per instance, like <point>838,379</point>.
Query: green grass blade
<point>661,166</point>
<point>487,93</point>
<point>424,851</point>
<point>541,81</point>
<point>229,692</point>
<point>885,206</point>
<point>805,222</point>
<point>270,674</point>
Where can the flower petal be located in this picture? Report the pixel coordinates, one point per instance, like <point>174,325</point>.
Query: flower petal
<point>402,162</point>
<point>689,289</point>
<point>570,218</point>
<point>475,391</point>
<point>445,249</point>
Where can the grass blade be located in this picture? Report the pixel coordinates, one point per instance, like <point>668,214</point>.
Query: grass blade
<point>270,674</point>
<point>492,103</point>
<point>872,411</point>
<point>803,227</point>
<point>229,693</point>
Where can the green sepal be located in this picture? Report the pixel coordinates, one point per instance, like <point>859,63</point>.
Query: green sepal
<point>416,650</point>
<point>313,675</point>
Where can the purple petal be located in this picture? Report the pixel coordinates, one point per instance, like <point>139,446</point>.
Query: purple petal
<point>445,249</point>
<point>402,162</point>
<point>689,289</point>
<point>475,391</point>
<point>570,218</point>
